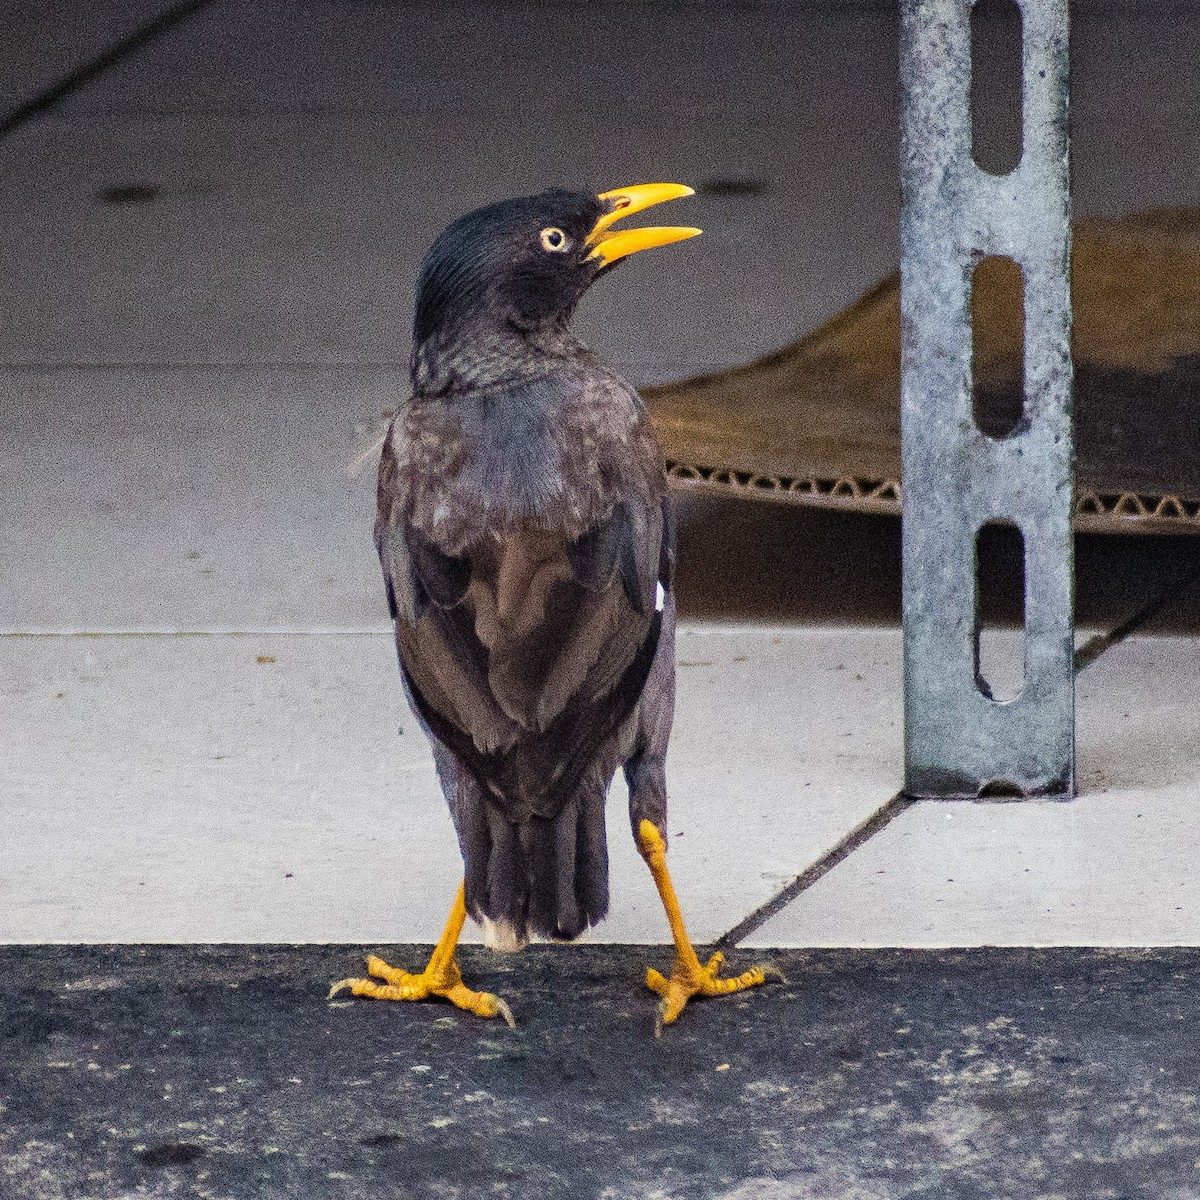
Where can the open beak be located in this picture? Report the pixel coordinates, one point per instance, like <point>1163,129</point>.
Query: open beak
<point>608,246</point>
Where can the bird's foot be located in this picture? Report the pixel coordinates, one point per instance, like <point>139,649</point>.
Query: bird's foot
<point>442,979</point>
<point>441,976</point>
<point>690,979</point>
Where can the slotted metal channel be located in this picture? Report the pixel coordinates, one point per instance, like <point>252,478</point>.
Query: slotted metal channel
<point>959,741</point>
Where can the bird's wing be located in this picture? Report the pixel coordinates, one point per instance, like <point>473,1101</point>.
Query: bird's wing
<point>444,663</point>
<point>526,649</point>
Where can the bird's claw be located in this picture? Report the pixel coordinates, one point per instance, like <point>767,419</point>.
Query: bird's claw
<point>438,979</point>
<point>690,979</point>
<point>503,1010</point>
<point>772,972</point>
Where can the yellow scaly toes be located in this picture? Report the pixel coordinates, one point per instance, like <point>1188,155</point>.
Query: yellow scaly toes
<point>688,977</point>
<point>441,976</point>
<point>438,979</point>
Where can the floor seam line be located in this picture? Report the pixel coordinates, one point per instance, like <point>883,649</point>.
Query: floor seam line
<point>1099,643</point>
<point>814,872</point>
<point>49,97</point>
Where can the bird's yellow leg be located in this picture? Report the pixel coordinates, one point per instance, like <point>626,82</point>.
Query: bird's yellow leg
<point>688,978</point>
<point>441,976</point>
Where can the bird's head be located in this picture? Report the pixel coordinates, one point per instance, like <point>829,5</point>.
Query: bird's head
<point>521,265</point>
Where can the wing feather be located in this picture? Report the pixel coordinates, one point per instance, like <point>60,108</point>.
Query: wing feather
<point>524,648</point>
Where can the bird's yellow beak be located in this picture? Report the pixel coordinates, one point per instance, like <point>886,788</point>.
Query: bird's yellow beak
<point>608,246</point>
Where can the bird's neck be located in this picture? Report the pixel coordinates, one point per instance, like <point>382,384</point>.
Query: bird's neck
<point>456,361</point>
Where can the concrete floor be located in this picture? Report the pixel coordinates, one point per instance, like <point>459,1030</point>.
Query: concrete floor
<point>209,250</point>
<point>210,261</point>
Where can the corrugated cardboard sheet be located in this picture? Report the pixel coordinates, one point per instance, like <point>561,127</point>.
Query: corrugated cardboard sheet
<point>819,421</point>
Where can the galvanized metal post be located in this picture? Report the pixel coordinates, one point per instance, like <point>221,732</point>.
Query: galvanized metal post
<point>955,478</point>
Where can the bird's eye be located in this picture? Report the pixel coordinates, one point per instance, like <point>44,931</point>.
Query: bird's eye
<point>553,239</point>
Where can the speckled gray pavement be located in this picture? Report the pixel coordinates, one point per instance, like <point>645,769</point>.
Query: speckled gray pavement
<point>210,225</point>
<point>873,1075</point>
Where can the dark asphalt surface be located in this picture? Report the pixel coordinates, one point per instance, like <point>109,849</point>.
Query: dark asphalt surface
<point>165,1071</point>
<point>139,1073</point>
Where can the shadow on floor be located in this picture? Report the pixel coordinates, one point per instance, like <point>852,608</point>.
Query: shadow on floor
<point>742,560</point>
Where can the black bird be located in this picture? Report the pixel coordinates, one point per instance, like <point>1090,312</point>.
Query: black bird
<point>527,544</point>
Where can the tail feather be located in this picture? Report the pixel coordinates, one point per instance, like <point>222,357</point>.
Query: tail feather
<point>544,877</point>
<point>506,893</point>
<point>591,861</point>
<point>548,915</point>
<point>471,818</point>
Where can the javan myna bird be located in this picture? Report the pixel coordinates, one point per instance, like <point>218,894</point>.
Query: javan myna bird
<point>527,545</point>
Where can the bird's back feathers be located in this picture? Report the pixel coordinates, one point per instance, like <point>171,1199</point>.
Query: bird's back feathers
<point>525,539</point>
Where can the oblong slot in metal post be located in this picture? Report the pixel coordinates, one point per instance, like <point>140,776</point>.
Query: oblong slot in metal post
<point>996,102</point>
<point>998,346</point>
<point>1000,664</point>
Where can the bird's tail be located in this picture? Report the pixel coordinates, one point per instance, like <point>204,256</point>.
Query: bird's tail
<point>544,877</point>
